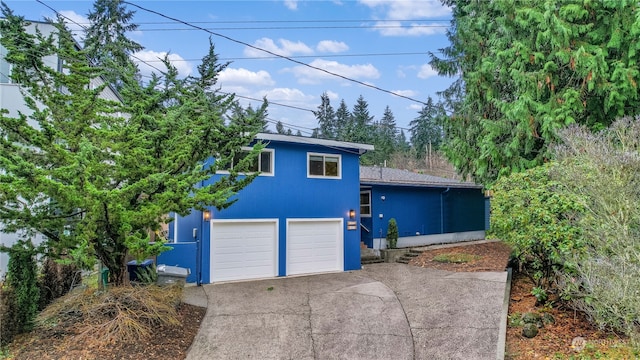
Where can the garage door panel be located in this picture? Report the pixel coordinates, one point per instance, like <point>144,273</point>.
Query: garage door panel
<point>314,246</point>
<point>244,249</point>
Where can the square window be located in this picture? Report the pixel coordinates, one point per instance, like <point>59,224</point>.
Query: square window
<point>263,163</point>
<point>365,203</point>
<point>320,165</point>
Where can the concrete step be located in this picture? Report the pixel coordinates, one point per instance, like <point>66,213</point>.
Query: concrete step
<point>371,261</point>
<point>403,260</point>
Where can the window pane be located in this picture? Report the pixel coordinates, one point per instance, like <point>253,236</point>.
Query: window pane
<point>365,210</point>
<point>253,167</point>
<point>265,162</point>
<point>315,165</point>
<point>364,199</point>
<point>331,166</point>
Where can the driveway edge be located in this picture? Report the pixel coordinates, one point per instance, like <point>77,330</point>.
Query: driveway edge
<point>502,335</point>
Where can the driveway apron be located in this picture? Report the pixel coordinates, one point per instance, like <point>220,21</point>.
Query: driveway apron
<point>385,311</point>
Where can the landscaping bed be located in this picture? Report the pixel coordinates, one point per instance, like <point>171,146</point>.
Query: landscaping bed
<point>570,336</point>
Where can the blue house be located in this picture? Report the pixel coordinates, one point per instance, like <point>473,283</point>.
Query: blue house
<point>299,216</point>
<point>427,209</point>
<point>310,209</point>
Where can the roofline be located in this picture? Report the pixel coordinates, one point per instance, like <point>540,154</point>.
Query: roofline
<point>362,148</point>
<point>421,184</point>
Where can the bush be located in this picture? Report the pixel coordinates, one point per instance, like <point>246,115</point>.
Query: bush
<point>57,279</point>
<point>532,213</point>
<point>604,169</point>
<point>20,292</point>
<point>392,234</point>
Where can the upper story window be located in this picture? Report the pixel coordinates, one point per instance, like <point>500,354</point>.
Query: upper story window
<point>263,163</point>
<point>365,203</point>
<point>5,67</point>
<point>324,166</point>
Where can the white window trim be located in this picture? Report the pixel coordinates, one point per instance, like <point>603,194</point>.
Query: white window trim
<point>310,154</point>
<point>273,162</point>
<point>368,192</point>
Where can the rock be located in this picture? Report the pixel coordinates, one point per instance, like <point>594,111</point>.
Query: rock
<point>548,319</point>
<point>532,318</point>
<point>530,330</point>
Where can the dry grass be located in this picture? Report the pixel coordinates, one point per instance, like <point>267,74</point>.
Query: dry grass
<point>121,313</point>
<point>456,258</point>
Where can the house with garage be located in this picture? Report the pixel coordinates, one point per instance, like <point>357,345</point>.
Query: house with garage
<point>299,216</point>
<point>427,209</point>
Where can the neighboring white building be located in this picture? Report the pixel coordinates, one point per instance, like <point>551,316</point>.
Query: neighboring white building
<point>11,100</point>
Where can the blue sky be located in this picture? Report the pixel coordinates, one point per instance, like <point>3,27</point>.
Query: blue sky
<point>383,43</point>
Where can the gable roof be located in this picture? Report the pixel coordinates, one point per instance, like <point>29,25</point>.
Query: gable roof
<point>342,145</point>
<point>375,175</point>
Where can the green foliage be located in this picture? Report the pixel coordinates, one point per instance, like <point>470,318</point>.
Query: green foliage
<point>604,169</point>
<point>56,280</point>
<point>530,68</point>
<point>95,175</point>
<point>456,258</point>
<point>426,129</point>
<point>326,116</point>
<point>392,233</point>
<point>22,286</point>
<point>532,214</point>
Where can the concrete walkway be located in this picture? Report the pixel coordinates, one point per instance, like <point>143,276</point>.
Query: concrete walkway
<point>385,311</point>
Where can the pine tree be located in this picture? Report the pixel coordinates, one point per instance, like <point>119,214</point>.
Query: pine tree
<point>326,118</point>
<point>529,69</point>
<point>426,129</point>
<point>280,128</point>
<point>344,125</point>
<point>362,121</point>
<point>251,119</point>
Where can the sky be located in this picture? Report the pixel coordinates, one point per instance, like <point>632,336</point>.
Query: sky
<point>381,43</point>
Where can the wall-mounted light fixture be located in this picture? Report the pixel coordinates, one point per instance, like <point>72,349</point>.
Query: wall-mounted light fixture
<point>206,215</point>
<point>352,214</point>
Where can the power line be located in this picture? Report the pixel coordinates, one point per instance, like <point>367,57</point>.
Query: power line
<point>275,54</point>
<point>307,56</point>
<point>300,27</point>
<point>291,21</point>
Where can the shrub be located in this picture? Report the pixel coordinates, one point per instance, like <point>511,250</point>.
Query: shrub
<point>532,213</point>
<point>604,169</point>
<point>20,291</point>
<point>392,233</point>
<point>57,279</point>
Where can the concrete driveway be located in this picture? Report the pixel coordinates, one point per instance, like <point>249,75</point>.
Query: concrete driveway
<point>385,311</point>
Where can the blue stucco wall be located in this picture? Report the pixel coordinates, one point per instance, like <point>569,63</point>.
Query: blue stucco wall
<point>423,210</point>
<point>183,255</point>
<point>288,194</point>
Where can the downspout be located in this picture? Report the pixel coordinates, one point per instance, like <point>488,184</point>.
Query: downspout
<point>442,209</point>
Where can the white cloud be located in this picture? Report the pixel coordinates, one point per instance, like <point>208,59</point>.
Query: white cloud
<point>287,96</point>
<point>283,47</point>
<point>416,107</point>
<point>332,95</point>
<point>241,77</point>
<point>396,28</point>
<point>331,46</point>
<point>394,9</point>
<point>409,93</point>
<point>307,75</point>
<point>291,4</point>
<point>390,14</point>
<point>426,71</point>
<point>148,58</point>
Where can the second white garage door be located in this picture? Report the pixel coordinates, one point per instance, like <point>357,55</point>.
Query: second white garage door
<point>243,249</point>
<point>314,246</point>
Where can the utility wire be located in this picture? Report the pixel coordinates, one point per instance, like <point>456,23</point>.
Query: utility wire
<point>274,54</point>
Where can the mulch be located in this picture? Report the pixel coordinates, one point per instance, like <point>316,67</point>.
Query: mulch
<point>491,256</point>
<point>164,343</point>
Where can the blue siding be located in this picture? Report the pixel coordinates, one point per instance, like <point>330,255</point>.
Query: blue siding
<point>424,210</point>
<point>289,194</point>
<point>183,255</point>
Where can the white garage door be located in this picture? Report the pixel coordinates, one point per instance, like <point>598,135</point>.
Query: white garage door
<point>314,246</point>
<point>243,249</point>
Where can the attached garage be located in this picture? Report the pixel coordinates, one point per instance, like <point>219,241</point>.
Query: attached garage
<point>314,246</point>
<point>244,249</point>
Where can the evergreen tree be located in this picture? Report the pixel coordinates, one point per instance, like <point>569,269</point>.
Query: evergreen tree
<point>280,128</point>
<point>250,119</point>
<point>403,144</point>
<point>361,121</point>
<point>298,133</point>
<point>426,129</point>
<point>528,69</point>
<point>106,43</point>
<point>326,118</point>
<point>94,181</point>
<point>344,126</point>
<point>384,139</point>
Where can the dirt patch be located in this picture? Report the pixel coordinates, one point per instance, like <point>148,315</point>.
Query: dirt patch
<point>165,342</point>
<point>489,256</point>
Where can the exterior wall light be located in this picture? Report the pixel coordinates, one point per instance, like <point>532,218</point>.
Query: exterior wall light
<point>352,214</point>
<point>206,215</point>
